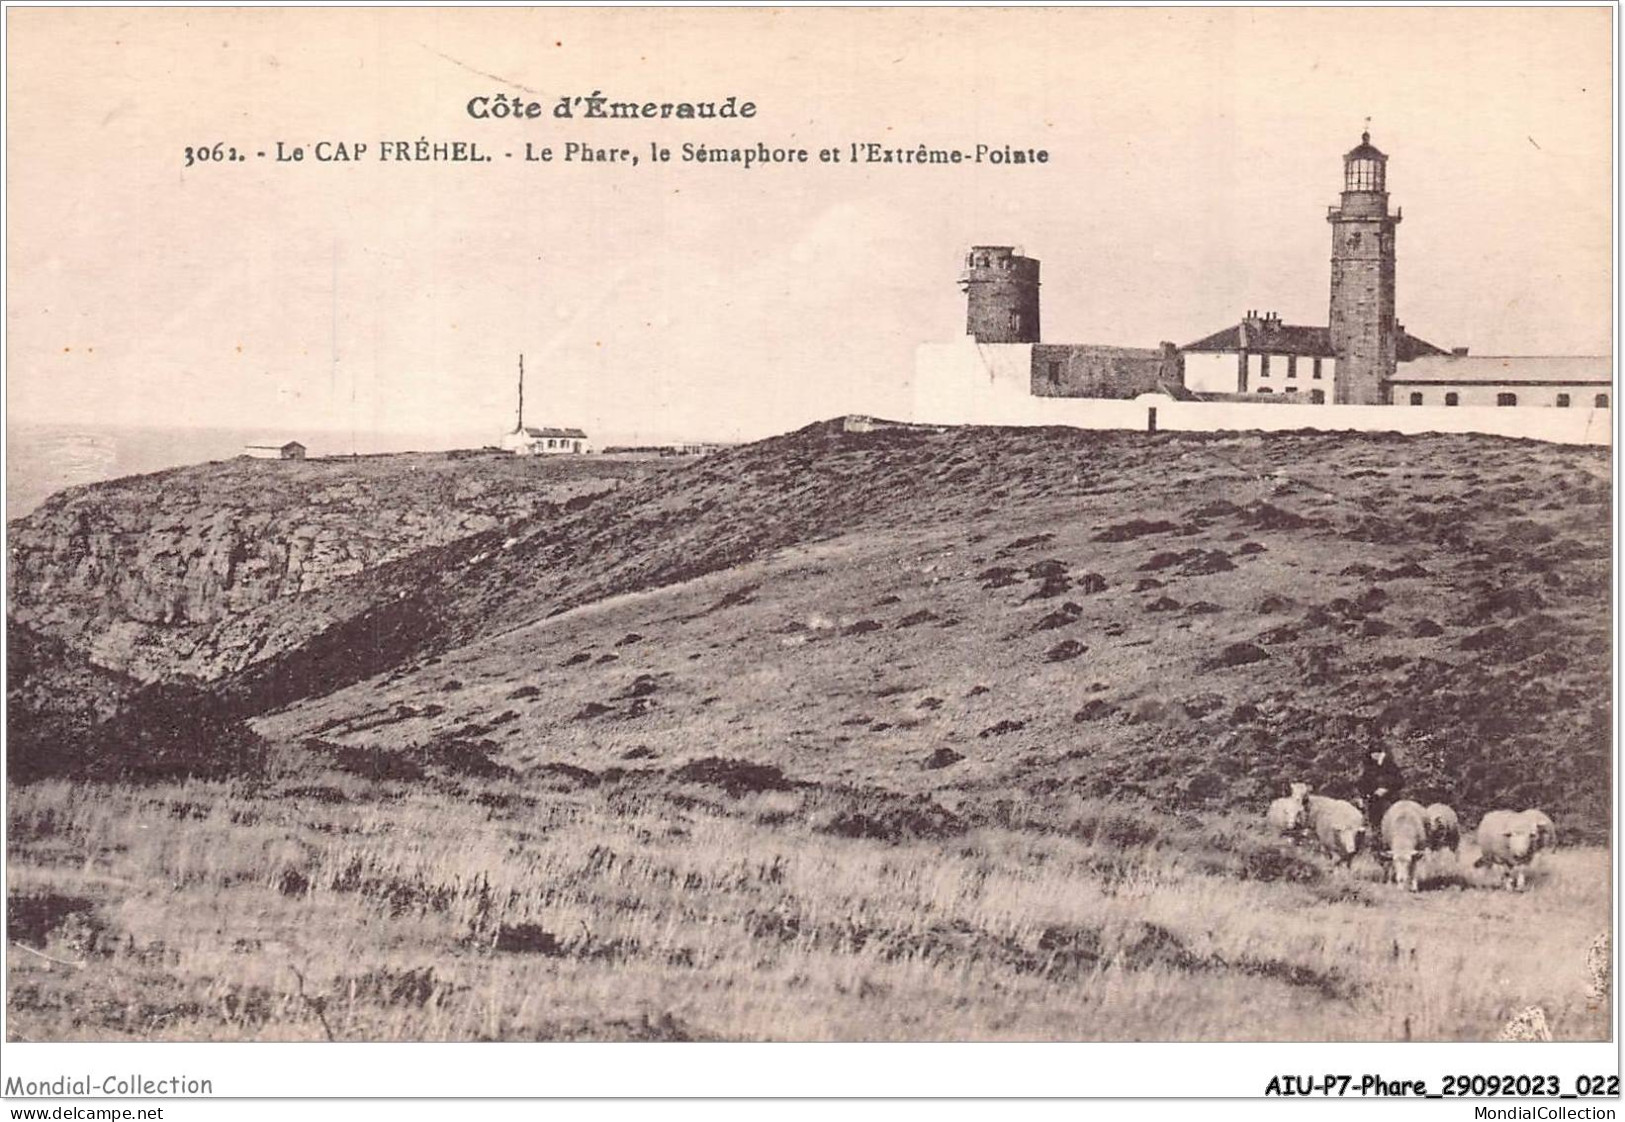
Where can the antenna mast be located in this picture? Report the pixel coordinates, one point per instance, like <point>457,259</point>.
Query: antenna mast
<point>521,425</point>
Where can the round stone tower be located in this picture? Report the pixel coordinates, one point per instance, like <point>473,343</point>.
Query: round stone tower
<point>1001,295</point>
<point>1364,333</point>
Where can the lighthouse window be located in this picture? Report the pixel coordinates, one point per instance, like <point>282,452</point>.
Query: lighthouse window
<point>1054,373</point>
<point>1562,401</point>
<point>1354,240</point>
<point>1363,175</point>
<point>1601,401</point>
<point>1506,399</point>
<point>1015,321</point>
<point>1416,399</point>
<point>1452,399</point>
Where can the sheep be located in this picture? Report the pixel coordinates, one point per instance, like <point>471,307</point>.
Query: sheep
<point>1404,836</point>
<point>1287,816</point>
<point>1508,840</point>
<point>1339,826</point>
<point>1443,828</point>
<point>1545,829</point>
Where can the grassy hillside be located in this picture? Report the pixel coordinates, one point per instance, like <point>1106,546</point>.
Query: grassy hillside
<point>893,735</point>
<point>1193,619</point>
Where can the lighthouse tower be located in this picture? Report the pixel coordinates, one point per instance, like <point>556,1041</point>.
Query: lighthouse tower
<point>1364,333</point>
<point>1001,295</point>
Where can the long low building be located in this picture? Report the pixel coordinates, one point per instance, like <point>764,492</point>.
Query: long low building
<point>1561,381</point>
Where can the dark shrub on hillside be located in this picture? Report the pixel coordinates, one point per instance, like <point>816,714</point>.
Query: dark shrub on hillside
<point>941,758</point>
<point>737,777</point>
<point>893,820</point>
<point>1204,787</point>
<point>527,938</point>
<point>1240,654</point>
<point>163,732</point>
<point>462,756</point>
<point>1161,560</point>
<point>1209,561</point>
<point>1096,710</point>
<point>997,577</point>
<point>1065,651</point>
<point>1137,528</point>
<point>367,762</point>
<point>32,917</point>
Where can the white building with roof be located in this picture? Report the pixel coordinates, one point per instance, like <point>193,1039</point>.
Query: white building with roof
<point>528,441</point>
<point>1558,381</point>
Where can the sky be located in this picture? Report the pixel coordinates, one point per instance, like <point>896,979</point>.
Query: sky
<point>1192,154</point>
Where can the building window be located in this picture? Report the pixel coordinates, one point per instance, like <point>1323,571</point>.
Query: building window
<point>1602,401</point>
<point>1263,366</point>
<point>1317,367</point>
<point>1015,321</point>
<point>1506,399</point>
<point>1416,399</point>
<point>1265,389</point>
<point>1291,366</point>
<point>1290,389</point>
<point>1317,397</point>
<point>1562,401</point>
<point>1452,399</point>
<point>1054,373</point>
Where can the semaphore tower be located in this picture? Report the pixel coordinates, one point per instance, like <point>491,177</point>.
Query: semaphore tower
<point>1001,295</point>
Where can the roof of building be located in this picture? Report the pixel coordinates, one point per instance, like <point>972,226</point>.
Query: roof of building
<point>1411,348</point>
<point>278,446</point>
<point>1268,337</point>
<point>573,434</point>
<point>1501,369</point>
<point>1272,337</point>
<point>1365,150</point>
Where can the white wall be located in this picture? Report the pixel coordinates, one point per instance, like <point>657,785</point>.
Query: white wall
<point>1206,372</point>
<point>1561,426</point>
<point>966,383</point>
<point>1580,397</point>
<point>1210,373</point>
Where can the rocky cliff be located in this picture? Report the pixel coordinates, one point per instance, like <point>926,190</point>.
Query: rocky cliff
<point>189,572</point>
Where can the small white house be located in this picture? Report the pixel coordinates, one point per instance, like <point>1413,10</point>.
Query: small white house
<point>526,441</point>
<point>290,450</point>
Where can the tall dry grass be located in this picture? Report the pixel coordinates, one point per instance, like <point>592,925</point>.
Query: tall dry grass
<point>649,909</point>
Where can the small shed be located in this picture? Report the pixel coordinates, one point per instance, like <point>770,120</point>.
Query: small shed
<point>288,450</point>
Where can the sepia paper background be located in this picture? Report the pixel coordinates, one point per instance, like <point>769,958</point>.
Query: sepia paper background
<point>1192,152</point>
<point>1191,155</point>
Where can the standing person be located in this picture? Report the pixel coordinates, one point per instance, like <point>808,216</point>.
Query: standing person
<point>1380,784</point>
